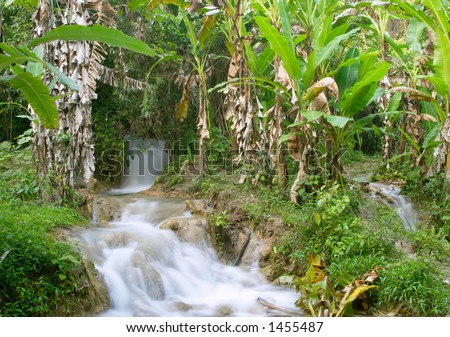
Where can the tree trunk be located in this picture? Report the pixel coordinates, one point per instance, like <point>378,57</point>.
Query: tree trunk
<point>202,126</point>
<point>280,153</point>
<point>65,157</point>
<point>276,127</point>
<point>443,154</point>
<point>238,101</point>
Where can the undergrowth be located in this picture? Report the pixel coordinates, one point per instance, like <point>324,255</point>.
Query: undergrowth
<point>355,234</point>
<point>41,273</point>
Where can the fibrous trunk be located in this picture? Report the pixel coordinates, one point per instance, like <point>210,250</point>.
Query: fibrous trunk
<point>443,153</point>
<point>65,156</point>
<point>238,101</point>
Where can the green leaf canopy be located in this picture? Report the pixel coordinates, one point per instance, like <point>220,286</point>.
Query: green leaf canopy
<point>97,33</point>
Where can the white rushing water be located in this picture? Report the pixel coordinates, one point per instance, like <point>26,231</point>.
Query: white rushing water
<point>150,272</point>
<point>404,207</point>
<point>145,160</point>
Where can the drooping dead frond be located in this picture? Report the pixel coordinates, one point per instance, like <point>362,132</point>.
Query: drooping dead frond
<point>104,15</point>
<point>316,89</point>
<point>195,6</point>
<point>421,96</point>
<point>107,75</point>
<point>347,12</point>
<point>111,77</point>
<point>132,84</point>
<point>181,108</point>
<point>282,77</point>
<point>320,103</point>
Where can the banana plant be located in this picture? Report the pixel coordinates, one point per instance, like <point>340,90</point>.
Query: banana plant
<point>22,66</point>
<point>337,122</point>
<point>320,299</point>
<point>358,77</point>
<point>435,15</point>
<point>203,119</point>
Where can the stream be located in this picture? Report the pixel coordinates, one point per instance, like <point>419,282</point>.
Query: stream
<point>150,272</point>
<point>394,198</point>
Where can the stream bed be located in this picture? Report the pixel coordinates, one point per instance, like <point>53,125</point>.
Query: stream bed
<point>149,271</point>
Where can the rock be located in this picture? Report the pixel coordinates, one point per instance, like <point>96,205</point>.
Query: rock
<point>197,207</point>
<point>118,239</point>
<point>284,281</point>
<point>94,297</point>
<point>152,279</point>
<point>106,208</point>
<point>188,229</point>
<point>224,311</point>
<point>404,247</point>
<point>181,306</point>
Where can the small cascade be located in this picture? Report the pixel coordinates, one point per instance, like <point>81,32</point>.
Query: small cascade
<point>145,159</point>
<point>94,211</point>
<point>391,195</point>
<point>149,271</point>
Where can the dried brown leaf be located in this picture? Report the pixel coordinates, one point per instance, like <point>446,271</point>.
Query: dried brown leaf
<point>181,107</point>
<point>326,83</point>
<point>413,93</point>
<point>320,103</point>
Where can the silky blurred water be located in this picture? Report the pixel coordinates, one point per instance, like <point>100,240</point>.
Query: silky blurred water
<point>404,207</point>
<point>150,272</point>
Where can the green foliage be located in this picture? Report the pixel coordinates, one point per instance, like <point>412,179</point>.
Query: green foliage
<point>40,274</point>
<point>337,231</point>
<point>431,243</point>
<point>318,296</point>
<point>280,45</point>
<point>218,150</point>
<point>173,181</point>
<point>417,286</point>
<point>429,192</point>
<point>96,33</point>
<point>18,180</point>
<point>219,219</point>
<point>37,95</point>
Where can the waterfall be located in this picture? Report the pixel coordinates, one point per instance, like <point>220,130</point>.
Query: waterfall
<point>149,271</point>
<point>145,159</point>
<point>404,207</point>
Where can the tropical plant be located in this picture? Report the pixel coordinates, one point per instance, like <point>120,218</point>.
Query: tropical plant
<point>435,15</point>
<point>312,91</point>
<point>320,299</point>
<point>65,157</point>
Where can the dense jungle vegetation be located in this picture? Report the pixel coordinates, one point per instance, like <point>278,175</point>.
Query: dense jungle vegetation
<point>276,108</point>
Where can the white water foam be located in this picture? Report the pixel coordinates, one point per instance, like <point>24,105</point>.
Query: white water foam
<point>404,207</point>
<point>150,272</point>
<point>145,160</point>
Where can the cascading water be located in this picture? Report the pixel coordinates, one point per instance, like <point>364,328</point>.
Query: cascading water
<point>145,160</point>
<point>150,272</point>
<point>394,199</point>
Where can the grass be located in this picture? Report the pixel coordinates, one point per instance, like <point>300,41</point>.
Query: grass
<point>41,273</point>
